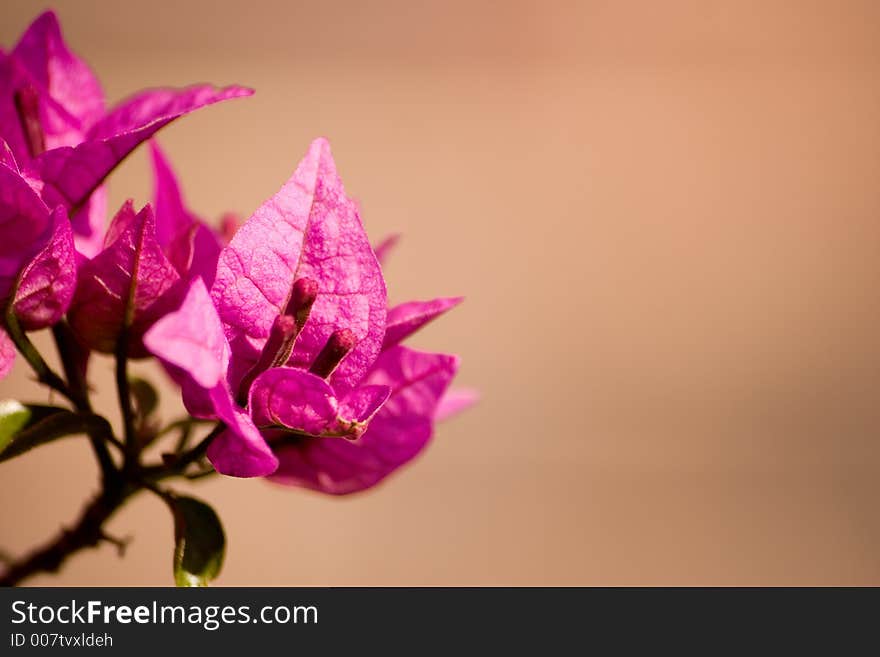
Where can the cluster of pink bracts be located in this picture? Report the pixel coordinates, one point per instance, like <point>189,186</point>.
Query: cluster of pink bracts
<point>280,329</point>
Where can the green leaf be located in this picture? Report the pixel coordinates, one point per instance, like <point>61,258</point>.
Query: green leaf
<point>145,397</point>
<point>25,426</point>
<point>13,416</point>
<point>200,543</point>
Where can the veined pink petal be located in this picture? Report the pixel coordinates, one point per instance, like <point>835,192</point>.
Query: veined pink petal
<point>72,174</point>
<point>310,228</point>
<point>119,286</point>
<point>407,318</point>
<point>395,435</point>
<point>62,77</point>
<point>454,402</point>
<point>292,398</point>
<point>384,248</point>
<point>285,397</point>
<point>7,354</point>
<point>191,338</point>
<point>47,283</point>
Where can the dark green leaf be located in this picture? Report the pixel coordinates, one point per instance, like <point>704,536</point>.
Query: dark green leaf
<point>25,426</point>
<point>199,542</point>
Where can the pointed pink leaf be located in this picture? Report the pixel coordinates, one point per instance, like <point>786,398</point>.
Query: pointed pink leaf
<point>72,174</point>
<point>454,402</point>
<point>118,287</point>
<point>7,354</point>
<point>47,283</point>
<point>396,434</point>
<point>384,248</point>
<point>310,228</point>
<point>62,77</point>
<point>407,318</point>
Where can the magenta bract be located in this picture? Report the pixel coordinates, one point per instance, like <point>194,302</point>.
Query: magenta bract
<point>300,302</point>
<point>52,115</point>
<point>119,290</point>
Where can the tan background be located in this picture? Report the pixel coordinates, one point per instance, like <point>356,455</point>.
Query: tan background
<point>665,219</point>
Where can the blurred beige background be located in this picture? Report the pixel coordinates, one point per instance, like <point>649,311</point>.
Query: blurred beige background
<point>666,219</point>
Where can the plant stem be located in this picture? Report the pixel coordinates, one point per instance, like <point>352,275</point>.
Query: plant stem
<point>69,350</point>
<point>87,532</point>
<point>122,387</point>
<point>89,528</point>
<point>117,484</point>
<point>45,374</point>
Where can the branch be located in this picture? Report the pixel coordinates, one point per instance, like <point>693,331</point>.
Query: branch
<point>124,392</point>
<point>86,533</point>
<point>69,350</point>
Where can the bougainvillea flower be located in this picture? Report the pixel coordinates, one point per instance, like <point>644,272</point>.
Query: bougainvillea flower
<point>296,332</point>
<point>188,241</point>
<point>119,290</point>
<point>52,115</point>
<point>298,284</point>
